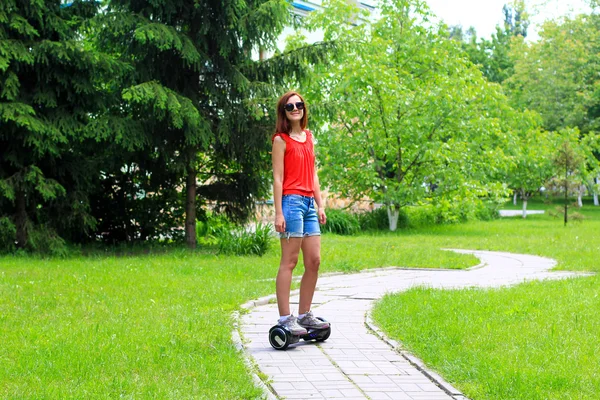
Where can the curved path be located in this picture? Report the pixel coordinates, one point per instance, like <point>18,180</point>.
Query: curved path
<point>354,363</point>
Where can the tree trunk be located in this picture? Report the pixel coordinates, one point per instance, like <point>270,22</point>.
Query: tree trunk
<point>21,219</point>
<point>579,196</point>
<point>595,193</point>
<point>393,214</point>
<point>524,207</point>
<point>190,204</point>
<point>566,195</point>
<point>515,199</point>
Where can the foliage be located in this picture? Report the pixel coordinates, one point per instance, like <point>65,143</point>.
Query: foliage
<point>531,167</point>
<point>559,212</point>
<point>49,95</point>
<point>131,204</point>
<point>210,226</point>
<point>439,212</point>
<point>493,56</point>
<point>377,220</point>
<point>410,119</point>
<point>573,158</point>
<point>192,104</point>
<point>488,210</point>
<point>341,222</point>
<point>44,240</point>
<point>7,235</point>
<point>557,76</point>
<point>242,241</point>
<point>444,212</point>
<point>106,116</point>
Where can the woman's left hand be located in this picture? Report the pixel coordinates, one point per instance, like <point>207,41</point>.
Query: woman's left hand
<point>322,216</point>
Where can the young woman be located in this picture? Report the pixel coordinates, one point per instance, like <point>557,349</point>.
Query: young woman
<point>298,210</point>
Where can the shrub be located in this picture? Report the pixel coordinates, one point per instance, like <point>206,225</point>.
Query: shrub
<point>45,240</point>
<point>452,211</point>
<point>8,233</point>
<point>378,219</point>
<point>244,242</point>
<point>488,210</point>
<point>211,226</point>
<point>341,222</point>
<point>573,216</point>
<point>423,215</point>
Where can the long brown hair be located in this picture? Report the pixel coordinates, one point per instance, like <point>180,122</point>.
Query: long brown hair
<point>283,124</point>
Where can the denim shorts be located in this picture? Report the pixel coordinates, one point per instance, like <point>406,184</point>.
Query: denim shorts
<point>300,215</point>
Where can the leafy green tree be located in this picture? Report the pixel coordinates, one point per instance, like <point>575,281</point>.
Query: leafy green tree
<point>573,160</point>
<point>531,168</point>
<point>569,164</point>
<point>48,95</point>
<point>493,55</point>
<point>516,19</point>
<point>412,120</point>
<point>557,76</point>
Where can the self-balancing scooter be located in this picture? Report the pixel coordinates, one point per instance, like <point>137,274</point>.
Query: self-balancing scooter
<point>280,337</point>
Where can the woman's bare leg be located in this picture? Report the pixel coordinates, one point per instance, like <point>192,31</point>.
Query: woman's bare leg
<point>289,258</point>
<point>311,252</point>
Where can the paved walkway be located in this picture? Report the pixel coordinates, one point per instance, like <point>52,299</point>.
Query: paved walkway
<point>514,213</point>
<point>354,363</point>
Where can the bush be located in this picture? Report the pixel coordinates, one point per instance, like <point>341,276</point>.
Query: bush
<point>423,215</point>
<point>41,239</point>
<point>378,220</point>
<point>487,211</point>
<point>447,211</point>
<point>341,222</point>
<point>375,220</point>
<point>8,233</point>
<point>45,240</point>
<point>244,242</point>
<point>211,226</point>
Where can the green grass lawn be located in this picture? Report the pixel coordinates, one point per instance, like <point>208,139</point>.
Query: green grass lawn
<point>537,340</point>
<point>152,326</point>
<point>159,325</point>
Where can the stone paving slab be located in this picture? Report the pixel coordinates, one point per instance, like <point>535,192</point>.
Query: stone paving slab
<point>354,363</point>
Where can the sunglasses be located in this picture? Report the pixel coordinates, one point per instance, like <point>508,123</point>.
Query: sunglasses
<point>289,107</point>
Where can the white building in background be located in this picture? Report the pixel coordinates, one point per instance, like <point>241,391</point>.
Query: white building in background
<point>302,8</point>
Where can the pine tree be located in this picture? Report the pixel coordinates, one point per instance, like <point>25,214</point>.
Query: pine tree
<point>203,103</point>
<point>48,94</point>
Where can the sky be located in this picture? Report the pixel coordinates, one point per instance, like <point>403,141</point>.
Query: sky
<point>484,15</point>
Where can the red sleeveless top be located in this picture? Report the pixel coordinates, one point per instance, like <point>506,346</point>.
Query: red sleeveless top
<point>298,165</point>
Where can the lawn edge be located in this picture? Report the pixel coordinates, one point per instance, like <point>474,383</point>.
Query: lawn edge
<point>413,360</point>
<point>237,338</point>
<point>269,392</point>
<point>249,363</point>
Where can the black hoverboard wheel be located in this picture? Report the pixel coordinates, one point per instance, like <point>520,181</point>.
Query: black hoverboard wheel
<point>320,335</point>
<point>279,337</point>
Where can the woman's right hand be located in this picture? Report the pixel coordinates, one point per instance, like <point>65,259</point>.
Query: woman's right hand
<point>279,223</point>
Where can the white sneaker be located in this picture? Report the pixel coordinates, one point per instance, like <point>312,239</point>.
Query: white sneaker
<point>291,323</point>
<point>310,322</point>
